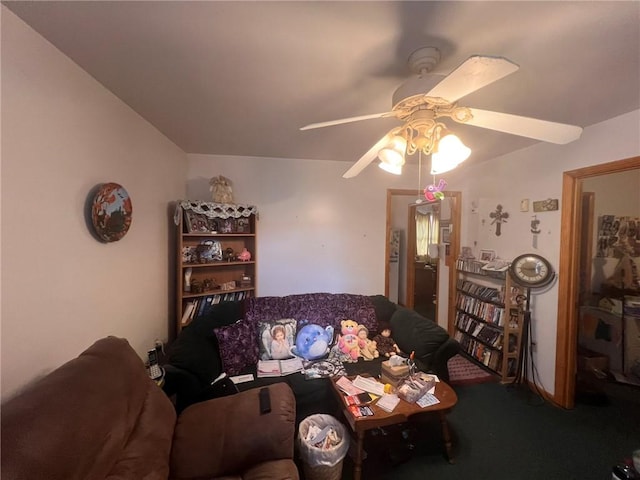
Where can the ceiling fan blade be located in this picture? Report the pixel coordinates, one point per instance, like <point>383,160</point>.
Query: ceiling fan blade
<point>544,130</point>
<point>474,73</point>
<point>347,120</point>
<point>368,157</point>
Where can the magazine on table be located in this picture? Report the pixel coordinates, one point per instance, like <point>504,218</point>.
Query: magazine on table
<point>279,368</point>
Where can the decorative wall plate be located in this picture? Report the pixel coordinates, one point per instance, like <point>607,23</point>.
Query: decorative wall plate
<point>111,212</point>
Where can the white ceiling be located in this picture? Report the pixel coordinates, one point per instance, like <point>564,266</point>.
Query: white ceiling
<point>240,78</point>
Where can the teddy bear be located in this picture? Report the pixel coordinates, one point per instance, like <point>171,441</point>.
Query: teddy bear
<point>368,348</point>
<point>348,345</point>
<point>348,327</point>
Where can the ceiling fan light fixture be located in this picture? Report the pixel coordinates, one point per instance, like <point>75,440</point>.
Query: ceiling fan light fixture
<point>450,153</point>
<point>388,167</point>
<point>392,155</point>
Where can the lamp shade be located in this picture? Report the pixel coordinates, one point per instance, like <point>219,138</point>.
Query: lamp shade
<point>388,167</point>
<point>392,155</point>
<point>451,153</point>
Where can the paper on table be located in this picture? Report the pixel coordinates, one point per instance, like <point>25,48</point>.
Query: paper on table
<point>369,385</point>
<point>347,386</point>
<point>388,402</point>
<point>426,400</point>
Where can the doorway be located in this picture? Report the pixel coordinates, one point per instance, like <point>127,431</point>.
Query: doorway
<point>423,252</point>
<point>402,273</point>
<point>569,273</point>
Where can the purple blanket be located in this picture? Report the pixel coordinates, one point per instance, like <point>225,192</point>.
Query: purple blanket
<point>239,342</point>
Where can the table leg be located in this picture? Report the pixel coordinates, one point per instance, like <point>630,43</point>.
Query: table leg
<point>357,467</point>
<point>446,436</point>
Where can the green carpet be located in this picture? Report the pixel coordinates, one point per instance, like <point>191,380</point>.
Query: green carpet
<point>503,432</point>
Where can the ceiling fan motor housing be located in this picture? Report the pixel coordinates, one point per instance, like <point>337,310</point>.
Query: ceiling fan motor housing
<point>421,62</point>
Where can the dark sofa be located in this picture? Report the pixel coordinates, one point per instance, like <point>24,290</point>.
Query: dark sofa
<point>226,340</point>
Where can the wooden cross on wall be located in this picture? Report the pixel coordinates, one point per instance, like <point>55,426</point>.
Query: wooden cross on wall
<point>498,217</point>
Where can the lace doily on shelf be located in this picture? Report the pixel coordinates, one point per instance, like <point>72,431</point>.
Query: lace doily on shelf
<point>216,210</point>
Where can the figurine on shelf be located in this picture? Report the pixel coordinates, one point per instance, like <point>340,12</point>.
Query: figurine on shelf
<point>244,255</point>
<point>386,345</point>
<point>221,189</point>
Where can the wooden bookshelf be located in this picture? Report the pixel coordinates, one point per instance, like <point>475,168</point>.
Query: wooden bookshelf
<point>209,238</point>
<point>489,318</point>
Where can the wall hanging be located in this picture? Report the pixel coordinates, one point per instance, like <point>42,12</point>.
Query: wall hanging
<point>498,218</point>
<point>111,211</point>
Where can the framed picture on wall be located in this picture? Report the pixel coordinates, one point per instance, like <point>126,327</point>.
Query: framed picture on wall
<point>445,234</point>
<point>487,255</point>
<point>394,246</point>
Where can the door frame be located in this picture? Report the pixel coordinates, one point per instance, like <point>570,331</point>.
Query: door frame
<point>569,274</point>
<point>454,249</point>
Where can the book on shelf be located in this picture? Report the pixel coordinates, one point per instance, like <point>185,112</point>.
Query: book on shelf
<point>187,315</point>
<point>279,368</point>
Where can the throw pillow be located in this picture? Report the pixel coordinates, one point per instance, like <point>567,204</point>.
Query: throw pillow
<point>276,339</point>
<point>238,346</point>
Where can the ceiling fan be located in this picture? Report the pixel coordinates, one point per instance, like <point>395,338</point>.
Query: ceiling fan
<point>422,100</point>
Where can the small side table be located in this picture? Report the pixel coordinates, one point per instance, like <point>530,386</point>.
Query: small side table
<point>403,412</point>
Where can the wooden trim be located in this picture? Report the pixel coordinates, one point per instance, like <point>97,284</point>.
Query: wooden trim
<point>390,193</point>
<point>454,250</point>
<point>568,274</point>
<point>409,300</point>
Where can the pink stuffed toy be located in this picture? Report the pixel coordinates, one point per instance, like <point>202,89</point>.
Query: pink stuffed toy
<point>348,344</point>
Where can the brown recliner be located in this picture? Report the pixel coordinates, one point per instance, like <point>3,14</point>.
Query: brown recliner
<point>99,416</point>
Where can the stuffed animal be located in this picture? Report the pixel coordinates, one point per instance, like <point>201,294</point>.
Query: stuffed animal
<point>386,345</point>
<point>348,327</point>
<point>368,349</point>
<point>348,344</point>
<point>312,341</point>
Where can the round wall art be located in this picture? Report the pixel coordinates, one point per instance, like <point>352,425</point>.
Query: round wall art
<point>111,212</point>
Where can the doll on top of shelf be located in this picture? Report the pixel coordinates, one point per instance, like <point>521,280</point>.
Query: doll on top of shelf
<point>221,189</point>
<point>385,344</point>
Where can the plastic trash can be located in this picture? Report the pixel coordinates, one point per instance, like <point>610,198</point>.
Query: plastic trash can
<point>322,463</point>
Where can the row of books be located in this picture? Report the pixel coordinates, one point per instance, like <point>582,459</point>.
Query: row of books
<point>482,331</point>
<point>486,293</point>
<point>472,265</point>
<point>201,306</point>
<point>487,312</point>
<point>485,355</point>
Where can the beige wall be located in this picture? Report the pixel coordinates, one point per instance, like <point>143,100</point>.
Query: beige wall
<point>62,134</point>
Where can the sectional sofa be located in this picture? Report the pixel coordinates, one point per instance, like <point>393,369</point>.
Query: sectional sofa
<point>228,340</point>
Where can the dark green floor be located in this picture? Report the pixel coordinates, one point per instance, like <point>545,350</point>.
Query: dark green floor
<point>502,432</point>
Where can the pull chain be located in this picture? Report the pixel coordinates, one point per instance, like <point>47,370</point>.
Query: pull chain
<point>419,171</point>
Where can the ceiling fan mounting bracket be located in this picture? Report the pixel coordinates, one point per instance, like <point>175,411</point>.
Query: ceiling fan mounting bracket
<point>424,59</point>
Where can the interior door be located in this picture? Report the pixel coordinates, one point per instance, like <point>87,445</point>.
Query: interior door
<point>422,278</point>
<point>425,290</point>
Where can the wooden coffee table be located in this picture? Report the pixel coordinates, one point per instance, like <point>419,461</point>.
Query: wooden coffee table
<point>403,412</point>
